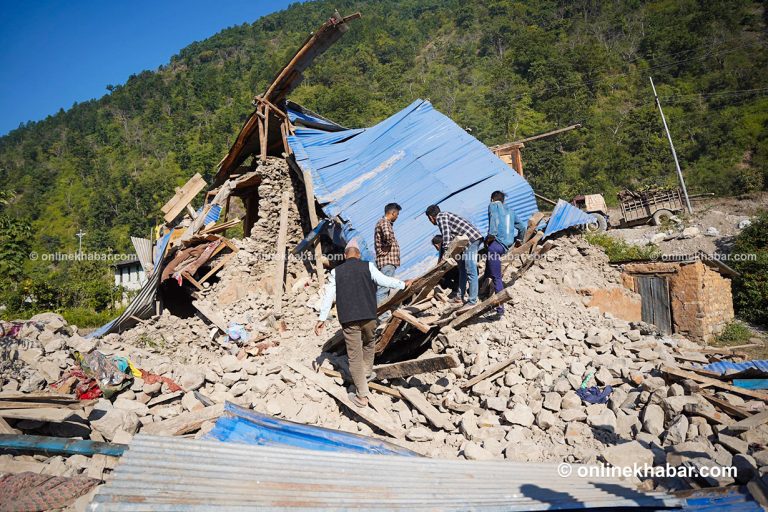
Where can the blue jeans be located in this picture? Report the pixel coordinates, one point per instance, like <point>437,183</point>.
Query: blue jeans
<point>382,292</point>
<point>468,271</point>
<point>493,268</point>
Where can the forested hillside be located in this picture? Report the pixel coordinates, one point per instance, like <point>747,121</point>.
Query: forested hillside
<point>501,68</point>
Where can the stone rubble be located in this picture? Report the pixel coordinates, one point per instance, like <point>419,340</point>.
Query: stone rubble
<point>528,412</point>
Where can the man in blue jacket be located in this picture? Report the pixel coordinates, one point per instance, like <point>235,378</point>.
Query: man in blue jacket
<point>502,223</point>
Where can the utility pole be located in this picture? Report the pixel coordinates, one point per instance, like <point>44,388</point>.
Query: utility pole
<point>80,234</point>
<point>672,146</point>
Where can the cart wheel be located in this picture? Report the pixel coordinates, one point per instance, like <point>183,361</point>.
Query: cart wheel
<point>661,216</point>
<point>598,224</point>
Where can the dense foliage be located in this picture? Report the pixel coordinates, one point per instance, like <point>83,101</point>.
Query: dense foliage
<point>750,290</point>
<point>502,68</point>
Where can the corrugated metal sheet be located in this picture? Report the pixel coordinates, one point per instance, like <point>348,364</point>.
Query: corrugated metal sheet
<point>722,367</point>
<point>183,474</point>
<point>415,158</point>
<point>240,425</point>
<point>565,216</point>
<point>731,499</point>
<point>143,248</point>
<point>300,115</point>
<point>142,306</point>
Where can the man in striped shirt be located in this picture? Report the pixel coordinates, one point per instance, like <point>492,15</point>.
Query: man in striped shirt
<point>451,226</point>
<point>387,248</point>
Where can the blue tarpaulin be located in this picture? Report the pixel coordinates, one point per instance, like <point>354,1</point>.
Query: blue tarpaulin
<point>240,425</point>
<point>415,158</point>
<point>564,216</point>
<point>723,367</point>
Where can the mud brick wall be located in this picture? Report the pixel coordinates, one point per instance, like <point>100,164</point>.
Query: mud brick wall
<point>702,303</point>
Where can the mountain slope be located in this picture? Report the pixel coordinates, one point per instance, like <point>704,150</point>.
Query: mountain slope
<point>503,69</point>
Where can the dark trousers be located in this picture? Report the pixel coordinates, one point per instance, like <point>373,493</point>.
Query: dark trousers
<point>493,268</point>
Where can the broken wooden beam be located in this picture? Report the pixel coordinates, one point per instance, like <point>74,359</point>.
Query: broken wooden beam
<point>182,197</point>
<point>387,334</point>
<point>412,320</point>
<point>750,422</point>
<point>375,386</point>
<point>415,366</point>
<point>435,417</point>
<point>209,314</point>
<point>710,415</point>
<point>184,423</point>
<point>280,254</point>
<point>340,394</point>
<point>493,301</point>
<point>714,383</point>
<point>491,371</point>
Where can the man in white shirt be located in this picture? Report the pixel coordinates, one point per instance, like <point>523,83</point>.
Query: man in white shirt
<point>353,286</point>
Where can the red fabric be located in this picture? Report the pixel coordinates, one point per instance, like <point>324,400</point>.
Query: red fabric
<point>86,388</point>
<point>151,378</point>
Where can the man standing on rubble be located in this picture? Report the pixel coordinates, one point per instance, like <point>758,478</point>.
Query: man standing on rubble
<point>353,286</point>
<point>387,248</point>
<point>451,226</point>
<point>502,223</point>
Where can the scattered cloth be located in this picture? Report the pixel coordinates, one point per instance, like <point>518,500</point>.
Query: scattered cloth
<point>30,492</point>
<point>593,395</point>
<point>106,371</point>
<point>83,386</point>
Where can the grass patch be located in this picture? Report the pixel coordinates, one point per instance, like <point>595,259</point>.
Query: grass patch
<point>619,251</point>
<point>735,333</point>
<point>84,317</point>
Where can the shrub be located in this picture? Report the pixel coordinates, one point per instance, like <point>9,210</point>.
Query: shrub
<point>619,251</point>
<point>735,333</point>
<point>750,288</point>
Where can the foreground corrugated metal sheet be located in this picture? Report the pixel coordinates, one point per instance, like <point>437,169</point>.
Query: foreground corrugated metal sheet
<point>183,474</point>
<point>240,425</point>
<point>415,158</point>
<point>722,367</point>
<point>565,216</point>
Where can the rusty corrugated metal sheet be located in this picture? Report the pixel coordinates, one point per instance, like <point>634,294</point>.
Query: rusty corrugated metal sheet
<point>161,473</point>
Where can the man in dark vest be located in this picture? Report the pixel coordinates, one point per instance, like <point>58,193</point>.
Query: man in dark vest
<point>353,286</point>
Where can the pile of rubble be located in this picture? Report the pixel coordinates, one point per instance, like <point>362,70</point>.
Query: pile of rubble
<point>525,371</point>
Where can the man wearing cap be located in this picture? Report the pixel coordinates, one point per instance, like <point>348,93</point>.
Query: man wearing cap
<point>353,286</point>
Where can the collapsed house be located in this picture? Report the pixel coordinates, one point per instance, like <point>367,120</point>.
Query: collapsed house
<point>557,381</point>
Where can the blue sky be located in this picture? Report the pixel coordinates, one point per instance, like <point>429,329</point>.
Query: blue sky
<point>55,53</point>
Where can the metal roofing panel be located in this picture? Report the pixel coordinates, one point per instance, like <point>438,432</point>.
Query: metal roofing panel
<point>415,158</point>
<point>171,473</point>
<point>143,248</point>
<point>240,425</point>
<point>565,216</point>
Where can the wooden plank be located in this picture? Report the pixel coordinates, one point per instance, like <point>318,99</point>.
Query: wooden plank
<point>493,301</point>
<point>381,388</point>
<point>7,404</point>
<point>165,398</point>
<point>5,428</point>
<point>309,189</point>
<point>750,422</point>
<point>213,316</point>
<point>533,222</point>
<point>183,423</point>
<point>183,197</point>
<point>415,366</point>
<point>340,394</point>
<point>407,317</point>
<point>58,398</point>
<point>690,357</point>
<point>282,234</point>
<point>435,417</point>
<point>429,279</point>
<point>491,371</point>
<point>708,414</point>
<point>52,414</point>
<point>388,334</point>
<point>715,383</point>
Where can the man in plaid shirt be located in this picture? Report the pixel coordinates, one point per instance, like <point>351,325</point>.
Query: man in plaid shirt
<point>387,248</point>
<point>451,226</point>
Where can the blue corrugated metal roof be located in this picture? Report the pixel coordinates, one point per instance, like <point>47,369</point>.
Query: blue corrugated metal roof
<point>722,367</point>
<point>415,158</point>
<point>731,499</point>
<point>565,216</point>
<point>241,425</point>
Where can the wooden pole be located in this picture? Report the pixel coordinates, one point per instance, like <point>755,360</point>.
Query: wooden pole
<point>280,255</point>
<point>672,146</point>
